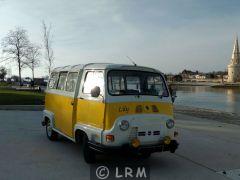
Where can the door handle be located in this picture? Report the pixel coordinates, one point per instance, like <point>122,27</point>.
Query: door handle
<point>72,103</point>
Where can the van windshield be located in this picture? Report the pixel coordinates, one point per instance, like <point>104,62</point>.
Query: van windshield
<point>122,82</point>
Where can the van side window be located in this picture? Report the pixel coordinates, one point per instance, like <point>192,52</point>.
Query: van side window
<point>61,81</point>
<point>53,81</point>
<point>71,81</point>
<point>93,79</point>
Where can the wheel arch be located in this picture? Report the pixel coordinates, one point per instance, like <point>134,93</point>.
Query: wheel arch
<point>78,136</point>
<point>93,133</point>
<point>48,115</point>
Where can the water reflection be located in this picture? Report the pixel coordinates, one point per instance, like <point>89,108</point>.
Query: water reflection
<point>233,100</point>
<point>223,99</point>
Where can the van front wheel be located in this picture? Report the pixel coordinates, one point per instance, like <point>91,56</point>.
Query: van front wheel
<point>51,134</point>
<point>145,155</point>
<point>88,154</point>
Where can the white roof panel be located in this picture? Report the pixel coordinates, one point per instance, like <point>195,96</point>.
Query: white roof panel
<point>104,66</point>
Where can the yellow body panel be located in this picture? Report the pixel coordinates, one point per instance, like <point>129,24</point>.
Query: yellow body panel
<point>96,113</point>
<point>63,112</point>
<point>115,110</point>
<point>90,112</point>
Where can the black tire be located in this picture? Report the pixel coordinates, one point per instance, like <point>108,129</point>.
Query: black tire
<point>145,155</point>
<point>51,134</point>
<point>88,154</point>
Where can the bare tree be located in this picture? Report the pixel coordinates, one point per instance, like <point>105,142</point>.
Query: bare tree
<point>15,46</point>
<point>47,42</point>
<point>3,72</point>
<point>33,58</point>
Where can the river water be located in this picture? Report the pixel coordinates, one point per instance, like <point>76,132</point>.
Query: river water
<point>223,99</point>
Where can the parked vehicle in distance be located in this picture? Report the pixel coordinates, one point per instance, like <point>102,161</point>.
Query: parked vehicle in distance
<point>110,108</point>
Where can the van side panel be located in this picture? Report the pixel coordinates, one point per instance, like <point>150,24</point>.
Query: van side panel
<point>61,107</point>
<point>90,112</point>
<point>115,110</point>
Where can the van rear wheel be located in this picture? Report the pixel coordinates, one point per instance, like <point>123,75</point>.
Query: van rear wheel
<point>88,154</point>
<point>51,134</point>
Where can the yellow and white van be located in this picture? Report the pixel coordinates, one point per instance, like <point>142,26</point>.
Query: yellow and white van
<point>109,108</point>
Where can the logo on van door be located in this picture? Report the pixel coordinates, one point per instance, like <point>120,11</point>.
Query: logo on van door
<point>123,109</point>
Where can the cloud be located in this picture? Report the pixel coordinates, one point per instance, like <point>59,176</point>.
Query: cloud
<point>169,35</point>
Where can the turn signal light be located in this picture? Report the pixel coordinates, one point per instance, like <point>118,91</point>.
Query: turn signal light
<point>109,138</point>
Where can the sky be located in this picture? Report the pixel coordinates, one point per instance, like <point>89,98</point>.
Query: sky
<point>167,35</point>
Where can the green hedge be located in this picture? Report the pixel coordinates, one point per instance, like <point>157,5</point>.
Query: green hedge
<point>13,97</point>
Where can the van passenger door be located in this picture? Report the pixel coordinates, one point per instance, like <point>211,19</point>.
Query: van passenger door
<point>68,105</point>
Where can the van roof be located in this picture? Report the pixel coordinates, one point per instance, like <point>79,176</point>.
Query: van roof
<point>103,66</point>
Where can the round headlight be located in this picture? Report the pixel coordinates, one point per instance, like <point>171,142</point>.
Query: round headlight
<point>170,124</point>
<point>124,125</point>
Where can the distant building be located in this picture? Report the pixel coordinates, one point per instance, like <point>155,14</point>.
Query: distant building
<point>234,66</point>
<point>188,74</point>
<point>200,76</point>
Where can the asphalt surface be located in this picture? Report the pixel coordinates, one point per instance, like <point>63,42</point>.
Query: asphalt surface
<point>208,150</point>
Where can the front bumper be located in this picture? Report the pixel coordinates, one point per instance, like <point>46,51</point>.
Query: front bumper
<point>129,149</point>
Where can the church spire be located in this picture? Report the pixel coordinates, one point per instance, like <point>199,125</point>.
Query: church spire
<point>235,53</point>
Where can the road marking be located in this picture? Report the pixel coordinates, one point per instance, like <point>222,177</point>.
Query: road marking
<point>195,162</point>
<point>233,174</point>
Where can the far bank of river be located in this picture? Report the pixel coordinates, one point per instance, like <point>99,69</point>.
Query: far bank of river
<point>210,84</point>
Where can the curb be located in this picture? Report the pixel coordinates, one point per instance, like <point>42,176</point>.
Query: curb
<point>22,107</point>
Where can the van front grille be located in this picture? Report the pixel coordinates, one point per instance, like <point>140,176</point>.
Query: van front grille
<point>142,133</point>
<point>149,133</point>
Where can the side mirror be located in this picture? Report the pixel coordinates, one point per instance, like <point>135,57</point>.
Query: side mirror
<point>173,95</point>
<point>95,92</point>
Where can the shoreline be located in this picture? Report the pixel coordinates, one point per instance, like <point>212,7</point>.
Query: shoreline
<point>209,84</point>
<point>191,84</point>
<point>211,114</point>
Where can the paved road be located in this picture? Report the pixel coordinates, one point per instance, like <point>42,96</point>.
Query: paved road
<point>207,148</point>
